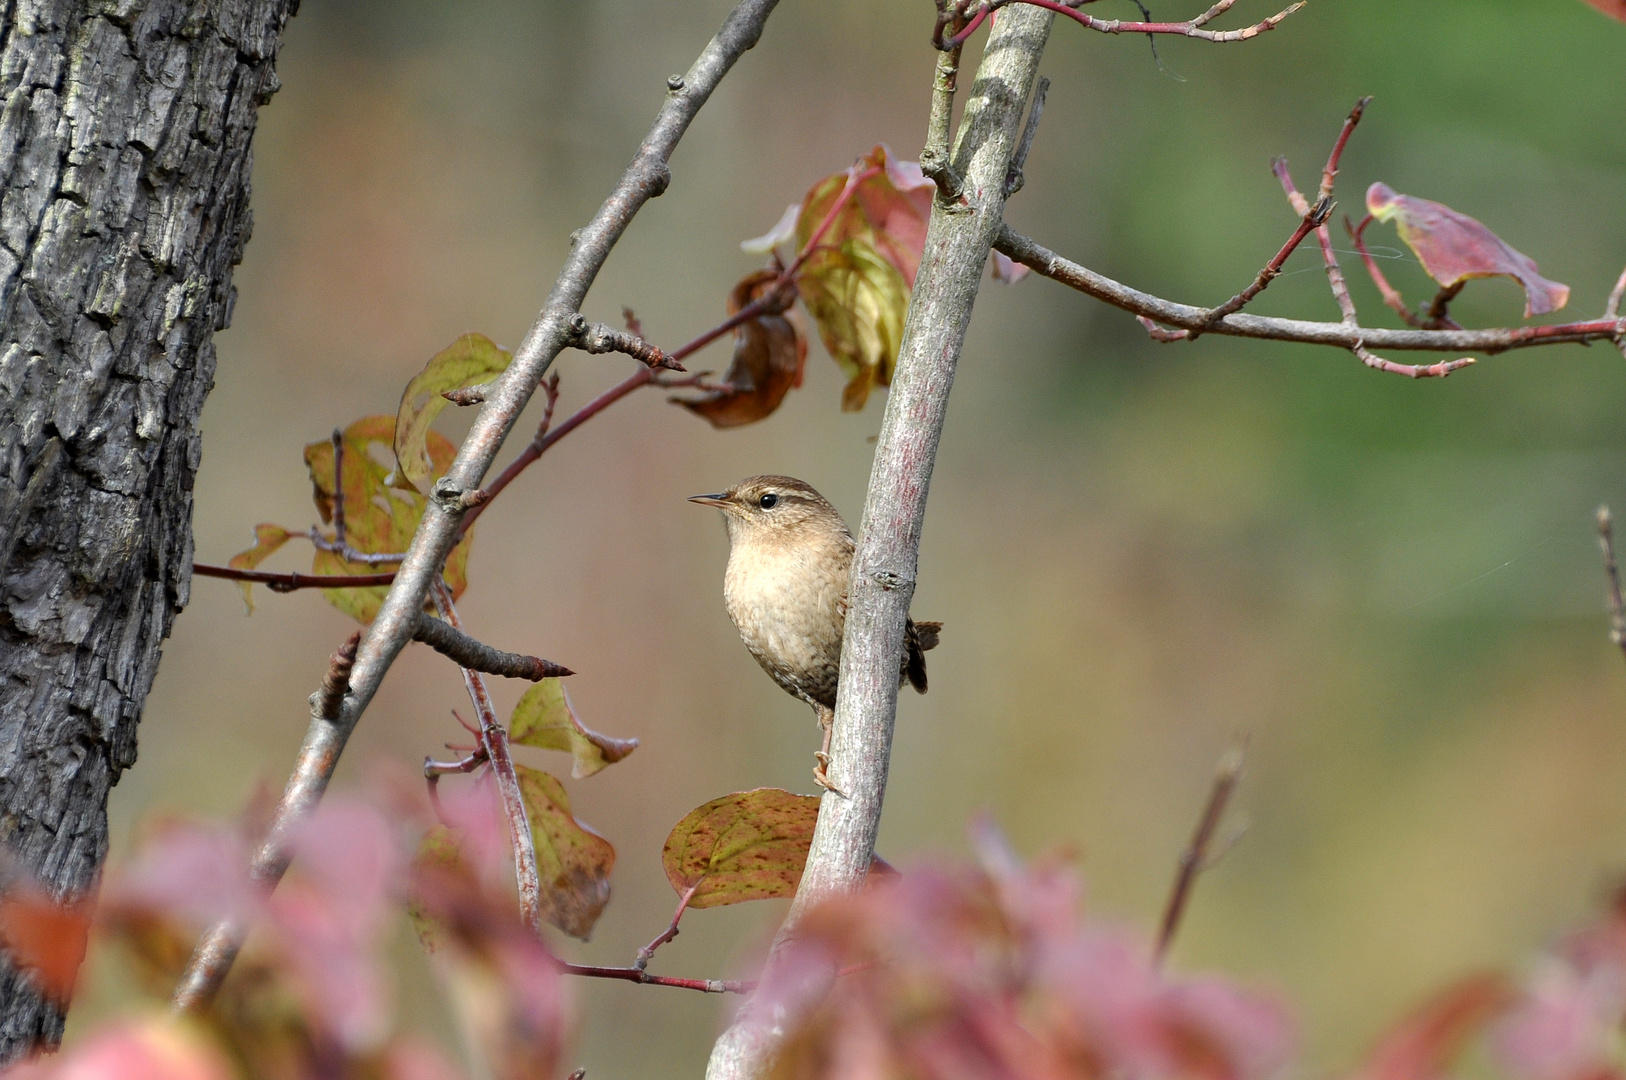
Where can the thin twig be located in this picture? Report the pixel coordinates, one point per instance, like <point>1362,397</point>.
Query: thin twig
<point>647,953</point>
<point>338,488</point>
<point>336,683</point>
<point>1411,371</point>
<point>1014,178</point>
<point>1335,273</point>
<point>445,638</point>
<point>1391,295</point>
<point>292,582</point>
<point>1617,606</point>
<point>934,156</point>
<point>494,741</point>
<point>1241,324</point>
<point>646,177</point>
<point>1194,859</point>
<point>1272,269</point>
<point>596,338</point>
<point>1611,309</point>
<point>638,975</point>
<point>1191,28</point>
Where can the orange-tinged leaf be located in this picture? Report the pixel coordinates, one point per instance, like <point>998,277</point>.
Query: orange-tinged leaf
<point>379,518</point>
<point>544,718</point>
<point>469,361</point>
<point>751,845</point>
<point>45,938</point>
<point>769,356</point>
<point>1425,1043</point>
<point>1454,247</point>
<point>572,861</point>
<point>267,539</point>
<point>859,300</point>
<point>889,210</point>
<point>1613,8</point>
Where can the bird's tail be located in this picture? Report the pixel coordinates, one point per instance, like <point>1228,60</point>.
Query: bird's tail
<point>919,638</point>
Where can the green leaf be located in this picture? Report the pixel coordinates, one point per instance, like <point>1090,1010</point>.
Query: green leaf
<point>469,361</point>
<point>572,861</point>
<point>1454,247</point>
<point>751,845</point>
<point>545,719</point>
<point>859,300</point>
<point>889,210</point>
<point>267,539</point>
<point>439,860</point>
<point>378,518</point>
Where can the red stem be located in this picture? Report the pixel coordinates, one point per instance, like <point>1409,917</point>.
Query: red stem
<point>647,953</point>
<point>289,582</point>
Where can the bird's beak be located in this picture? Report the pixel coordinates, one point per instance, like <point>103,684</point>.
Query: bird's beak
<point>720,499</point>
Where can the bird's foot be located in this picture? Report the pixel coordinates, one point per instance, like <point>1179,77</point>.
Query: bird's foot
<point>821,776</point>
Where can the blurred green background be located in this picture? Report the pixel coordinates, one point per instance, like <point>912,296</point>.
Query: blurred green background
<point>1138,550</point>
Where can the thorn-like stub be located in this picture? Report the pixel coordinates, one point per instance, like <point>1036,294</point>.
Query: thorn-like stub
<point>674,83</point>
<point>447,493</point>
<point>576,324</point>
<point>660,178</point>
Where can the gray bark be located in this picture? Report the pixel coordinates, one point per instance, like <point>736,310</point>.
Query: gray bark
<point>124,180</point>
<point>958,240</point>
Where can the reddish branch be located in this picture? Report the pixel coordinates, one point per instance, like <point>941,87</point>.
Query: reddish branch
<point>291,582</point>
<point>494,742</point>
<point>1196,858</point>
<point>972,14</point>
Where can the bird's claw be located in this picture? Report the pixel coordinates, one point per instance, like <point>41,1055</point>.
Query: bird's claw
<point>821,777</point>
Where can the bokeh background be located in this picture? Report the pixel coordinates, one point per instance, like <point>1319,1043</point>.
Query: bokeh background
<point>1139,550</point>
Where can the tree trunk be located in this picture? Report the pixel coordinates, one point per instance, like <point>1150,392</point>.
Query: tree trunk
<point>124,178</point>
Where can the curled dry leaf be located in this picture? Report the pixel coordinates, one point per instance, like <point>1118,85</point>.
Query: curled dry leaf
<point>856,283</point>
<point>267,539</point>
<point>751,845</point>
<point>469,361</point>
<point>572,861</point>
<point>544,718</point>
<point>379,518</point>
<point>769,356</point>
<point>1454,247</point>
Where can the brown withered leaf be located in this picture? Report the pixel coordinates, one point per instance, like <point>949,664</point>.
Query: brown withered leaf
<point>572,861</point>
<point>769,356</point>
<point>267,539</point>
<point>469,361</point>
<point>378,517</point>
<point>1454,247</point>
<point>751,845</point>
<point>1425,1042</point>
<point>46,939</point>
<point>543,718</point>
<point>1614,8</point>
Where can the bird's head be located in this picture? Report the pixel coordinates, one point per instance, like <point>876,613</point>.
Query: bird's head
<point>773,509</point>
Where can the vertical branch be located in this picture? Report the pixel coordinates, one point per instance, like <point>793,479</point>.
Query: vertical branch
<point>1617,606</point>
<point>958,240</point>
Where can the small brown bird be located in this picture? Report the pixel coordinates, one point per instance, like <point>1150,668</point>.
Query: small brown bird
<point>786,590</point>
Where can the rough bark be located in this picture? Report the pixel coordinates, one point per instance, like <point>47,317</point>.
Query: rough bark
<point>958,240</point>
<point>124,180</point>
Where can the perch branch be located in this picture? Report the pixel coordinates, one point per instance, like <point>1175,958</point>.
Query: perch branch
<point>645,178</point>
<point>1195,858</point>
<point>445,638</point>
<point>885,562</point>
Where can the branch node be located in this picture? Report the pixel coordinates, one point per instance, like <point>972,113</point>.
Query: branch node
<point>674,83</point>
<point>468,395</point>
<point>328,702</point>
<point>598,338</point>
<point>478,656</point>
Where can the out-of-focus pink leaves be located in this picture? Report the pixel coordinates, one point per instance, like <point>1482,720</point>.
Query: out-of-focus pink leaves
<point>1454,247</point>
<point>159,1048</point>
<point>990,973</point>
<point>1563,1024</point>
<point>769,355</point>
<point>194,873</point>
<point>1007,270</point>
<point>1613,8</point>
<point>44,938</point>
<point>1425,1043</point>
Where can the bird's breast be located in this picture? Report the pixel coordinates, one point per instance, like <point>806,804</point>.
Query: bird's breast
<point>789,605</point>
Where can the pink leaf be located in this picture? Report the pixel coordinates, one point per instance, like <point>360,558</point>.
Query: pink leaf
<point>1454,247</point>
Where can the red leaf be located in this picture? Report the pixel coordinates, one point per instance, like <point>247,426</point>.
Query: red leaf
<point>1424,1044</point>
<point>45,938</point>
<point>1454,247</point>
<point>768,358</point>
<point>1613,8</point>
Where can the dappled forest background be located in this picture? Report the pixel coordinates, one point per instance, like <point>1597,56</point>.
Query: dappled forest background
<point>1138,550</point>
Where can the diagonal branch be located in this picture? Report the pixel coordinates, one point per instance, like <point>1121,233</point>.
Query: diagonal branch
<point>447,639</point>
<point>645,178</point>
<point>1195,858</point>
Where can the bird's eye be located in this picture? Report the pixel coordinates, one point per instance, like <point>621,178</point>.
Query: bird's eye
<point>768,501</point>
